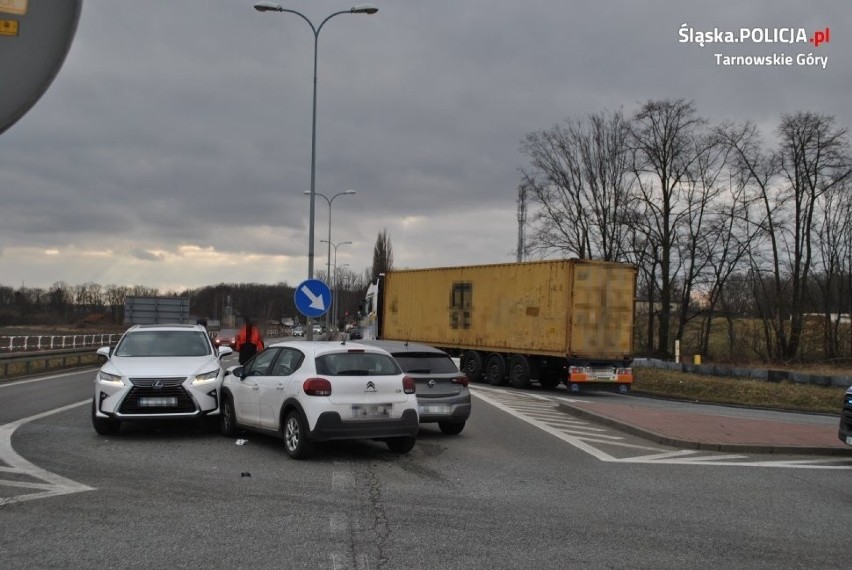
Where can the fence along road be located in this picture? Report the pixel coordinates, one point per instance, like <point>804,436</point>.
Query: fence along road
<point>27,343</point>
<point>23,355</point>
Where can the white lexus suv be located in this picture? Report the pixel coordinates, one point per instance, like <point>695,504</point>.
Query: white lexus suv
<point>158,372</point>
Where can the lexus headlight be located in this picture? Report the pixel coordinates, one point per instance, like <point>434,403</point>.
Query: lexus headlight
<point>105,378</point>
<point>205,378</point>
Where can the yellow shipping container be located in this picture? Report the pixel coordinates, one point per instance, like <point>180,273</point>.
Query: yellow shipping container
<point>567,308</point>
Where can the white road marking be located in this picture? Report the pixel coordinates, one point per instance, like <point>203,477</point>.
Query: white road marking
<point>50,484</point>
<point>546,417</point>
<point>43,378</point>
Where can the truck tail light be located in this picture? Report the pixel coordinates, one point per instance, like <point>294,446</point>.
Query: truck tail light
<point>317,387</point>
<point>461,380</point>
<point>578,374</point>
<point>408,385</point>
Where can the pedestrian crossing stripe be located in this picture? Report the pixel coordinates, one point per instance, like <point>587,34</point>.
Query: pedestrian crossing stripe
<point>544,413</point>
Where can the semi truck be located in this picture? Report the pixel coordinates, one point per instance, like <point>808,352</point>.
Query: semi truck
<point>561,321</point>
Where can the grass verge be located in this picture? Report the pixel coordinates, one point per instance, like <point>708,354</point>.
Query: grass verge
<point>736,391</point>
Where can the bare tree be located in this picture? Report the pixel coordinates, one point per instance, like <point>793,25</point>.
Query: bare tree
<point>60,300</point>
<point>835,252</point>
<point>663,137</point>
<point>560,222</point>
<point>114,295</point>
<point>814,159</point>
<point>758,170</point>
<point>704,197</point>
<point>791,187</point>
<point>382,255</point>
<point>579,177</point>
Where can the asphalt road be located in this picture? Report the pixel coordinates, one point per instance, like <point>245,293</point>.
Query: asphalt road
<point>505,493</point>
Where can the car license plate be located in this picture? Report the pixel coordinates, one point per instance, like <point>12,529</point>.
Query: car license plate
<point>371,411</point>
<point>436,409</point>
<point>849,440</point>
<point>158,402</point>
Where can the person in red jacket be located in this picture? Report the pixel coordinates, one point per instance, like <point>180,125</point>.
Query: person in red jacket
<point>248,341</point>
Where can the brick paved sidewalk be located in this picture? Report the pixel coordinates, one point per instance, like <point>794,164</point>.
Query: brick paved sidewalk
<point>714,431</point>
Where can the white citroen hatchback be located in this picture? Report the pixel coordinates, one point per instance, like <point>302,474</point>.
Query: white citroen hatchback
<point>309,392</point>
<point>158,372</point>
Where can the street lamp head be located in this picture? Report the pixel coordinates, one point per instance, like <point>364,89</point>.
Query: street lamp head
<point>350,191</point>
<point>364,9</point>
<point>268,7</point>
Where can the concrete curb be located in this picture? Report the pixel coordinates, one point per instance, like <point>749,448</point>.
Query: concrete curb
<point>688,444</point>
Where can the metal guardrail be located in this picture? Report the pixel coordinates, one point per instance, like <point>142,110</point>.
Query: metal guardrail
<point>23,343</point>
<point>21,364</point>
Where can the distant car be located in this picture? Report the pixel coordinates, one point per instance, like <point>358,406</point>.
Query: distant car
<point>355,334</point>
<point>299,331</point>
<point>157,372</point>
<point>442,391</point>
<point>226,337</point>
<point>845,431</point>
<point>311,392</point>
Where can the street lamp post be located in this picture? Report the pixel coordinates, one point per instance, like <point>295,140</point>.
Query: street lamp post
<point>273,7</point>
<point>329,201</point>
<point>333,281</point>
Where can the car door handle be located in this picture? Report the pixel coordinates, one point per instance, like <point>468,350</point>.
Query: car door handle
<point>255,387</point>
<point>280,386</point>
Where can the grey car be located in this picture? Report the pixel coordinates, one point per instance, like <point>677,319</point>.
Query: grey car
<point>442,393</point>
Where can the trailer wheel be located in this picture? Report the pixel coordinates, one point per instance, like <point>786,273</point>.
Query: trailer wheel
<point>519,371</point>
<point>495,369</point>
<point>471,365</point>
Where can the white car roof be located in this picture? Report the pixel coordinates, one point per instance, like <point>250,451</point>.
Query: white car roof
<point>320,347</point>
<point>167,327</point>
<point>402,346</point>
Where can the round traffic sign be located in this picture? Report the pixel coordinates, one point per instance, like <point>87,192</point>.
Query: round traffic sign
<point>35,36</point>
<point>312,298</point>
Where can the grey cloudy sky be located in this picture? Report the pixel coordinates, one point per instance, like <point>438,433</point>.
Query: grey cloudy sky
<point>173,148</point>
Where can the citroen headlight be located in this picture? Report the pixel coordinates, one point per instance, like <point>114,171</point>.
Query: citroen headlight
<point>106,378</point>
<point>205,378</point>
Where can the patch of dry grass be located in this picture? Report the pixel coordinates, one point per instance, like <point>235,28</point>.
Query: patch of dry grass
<point>736,391</point>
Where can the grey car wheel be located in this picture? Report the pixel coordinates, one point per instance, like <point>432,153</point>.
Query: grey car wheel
<point>401,444</point>
<point>295,436</point>
<point>451,428</point>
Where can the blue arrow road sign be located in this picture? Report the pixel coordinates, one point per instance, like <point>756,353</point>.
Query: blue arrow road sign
<point>312,298</point>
